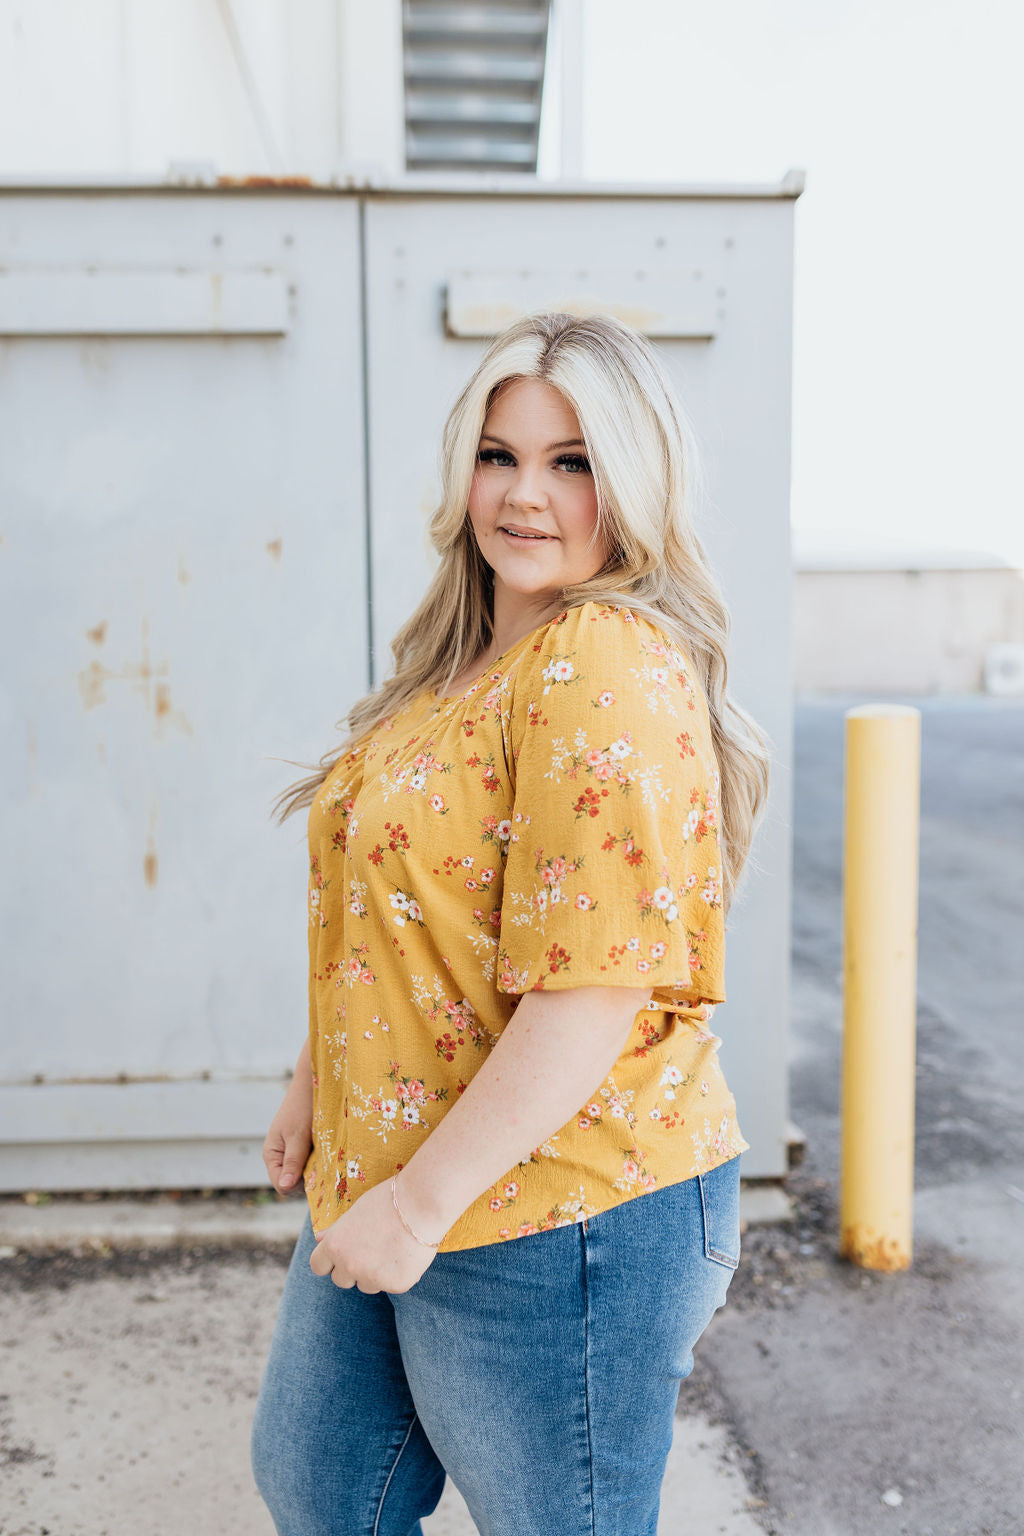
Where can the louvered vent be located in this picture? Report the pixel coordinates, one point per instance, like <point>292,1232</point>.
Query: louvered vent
<point>473,79</point>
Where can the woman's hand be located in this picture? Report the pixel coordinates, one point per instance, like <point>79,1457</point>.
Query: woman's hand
<point>368,1247</point>
<point>289,1140</point>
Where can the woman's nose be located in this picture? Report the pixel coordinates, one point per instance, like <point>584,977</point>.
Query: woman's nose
<point>526,489</point>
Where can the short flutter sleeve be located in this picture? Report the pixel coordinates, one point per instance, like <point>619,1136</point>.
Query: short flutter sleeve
<point>613,874</point>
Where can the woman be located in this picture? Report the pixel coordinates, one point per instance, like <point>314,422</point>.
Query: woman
<point>520,1155</point>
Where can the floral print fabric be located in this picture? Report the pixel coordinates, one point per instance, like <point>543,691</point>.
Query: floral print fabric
<point>555,825</point>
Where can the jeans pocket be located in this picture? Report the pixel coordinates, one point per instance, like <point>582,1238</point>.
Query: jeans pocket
<point>720,1210</point>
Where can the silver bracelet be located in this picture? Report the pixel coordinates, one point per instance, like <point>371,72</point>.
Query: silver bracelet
<point>405,1224</point>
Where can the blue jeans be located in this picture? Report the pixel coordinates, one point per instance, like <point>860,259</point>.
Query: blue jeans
<point>541,1374</point>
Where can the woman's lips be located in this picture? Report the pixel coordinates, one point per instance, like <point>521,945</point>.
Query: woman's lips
<point>522,538</point>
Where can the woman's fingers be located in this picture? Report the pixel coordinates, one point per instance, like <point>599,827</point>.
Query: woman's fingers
<point>297,1150</point>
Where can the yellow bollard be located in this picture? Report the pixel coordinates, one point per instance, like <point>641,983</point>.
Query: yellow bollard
<point>880,900</point>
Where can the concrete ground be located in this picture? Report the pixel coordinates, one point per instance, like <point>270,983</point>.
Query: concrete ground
<point>826,1401</point>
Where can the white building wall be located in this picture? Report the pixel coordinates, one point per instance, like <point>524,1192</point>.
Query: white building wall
<point>909,630</point>
<point>121,89</point>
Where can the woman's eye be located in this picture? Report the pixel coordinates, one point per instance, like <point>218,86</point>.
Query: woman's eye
<point>575,462</point>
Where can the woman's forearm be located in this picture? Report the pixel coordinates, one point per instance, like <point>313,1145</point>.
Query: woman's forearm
<point>304,1067</point>
<point>555,1051</point>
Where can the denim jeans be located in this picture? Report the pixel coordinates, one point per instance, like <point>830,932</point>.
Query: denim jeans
<point>541,1374</point>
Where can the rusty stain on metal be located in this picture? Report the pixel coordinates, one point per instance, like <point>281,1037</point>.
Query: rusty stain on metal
<point>99,633</point>
<point>162,707</point>
<point>149,862</point>
<point>92,680</point>
<point>274,548</point>
<point>264,181</point>
<point>870,1251</point>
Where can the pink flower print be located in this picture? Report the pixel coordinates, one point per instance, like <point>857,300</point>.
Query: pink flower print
<point>633,943</point>
<point>467,862</point>
<point>704,1087</point>
<point>643,966</point>
<point>437,802</point>
<point>583,1123</point>
<point>495,1204</point>
<point>542,901</point>
<point>584,902</point>
<point>511,1189</point>
<point>691,881</point>
<point>658,950</point>
<point>414,1088</point>
<point>504,830</point>
<point>471,885</point>
<point>604,770</point>
<point>594,756</point>
<point>548,876</point>
<point>487,875</point>
<point>663,897</point>
<point>594,1111</point>
<point>559,867</point>
<point>504,1232</point>
<point>647,1180</point>
<point>367,1034</point>
<point>606,698</point>
<point>527,1229</point>
<point>410,1115</point>
<point>630,1170</point>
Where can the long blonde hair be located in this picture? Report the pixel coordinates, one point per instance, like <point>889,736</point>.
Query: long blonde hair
<point>648,479</point>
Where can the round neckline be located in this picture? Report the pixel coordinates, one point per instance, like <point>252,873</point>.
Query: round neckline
<point>453,698</point>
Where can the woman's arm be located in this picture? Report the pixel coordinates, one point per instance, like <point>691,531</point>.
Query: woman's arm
<point>554,1052</point>
<point>289,1140</point>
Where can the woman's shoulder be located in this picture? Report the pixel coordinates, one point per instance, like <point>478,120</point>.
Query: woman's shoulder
<point>602,634</point>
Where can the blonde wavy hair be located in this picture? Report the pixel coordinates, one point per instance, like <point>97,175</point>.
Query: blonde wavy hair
<point>648,479</point>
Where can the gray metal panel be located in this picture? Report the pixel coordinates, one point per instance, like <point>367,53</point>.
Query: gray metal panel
<point>182,600</point>
<point>737,388</point>
<point>168,643</point>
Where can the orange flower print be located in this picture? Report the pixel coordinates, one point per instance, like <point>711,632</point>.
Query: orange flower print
<point>557,825</point>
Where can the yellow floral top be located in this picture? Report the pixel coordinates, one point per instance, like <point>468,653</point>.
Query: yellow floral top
<point>555,825</point>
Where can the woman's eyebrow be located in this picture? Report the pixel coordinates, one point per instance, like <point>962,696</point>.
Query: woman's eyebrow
<point>572,442</point>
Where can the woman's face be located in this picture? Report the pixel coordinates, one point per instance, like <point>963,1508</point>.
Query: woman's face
<point>532,477</point>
